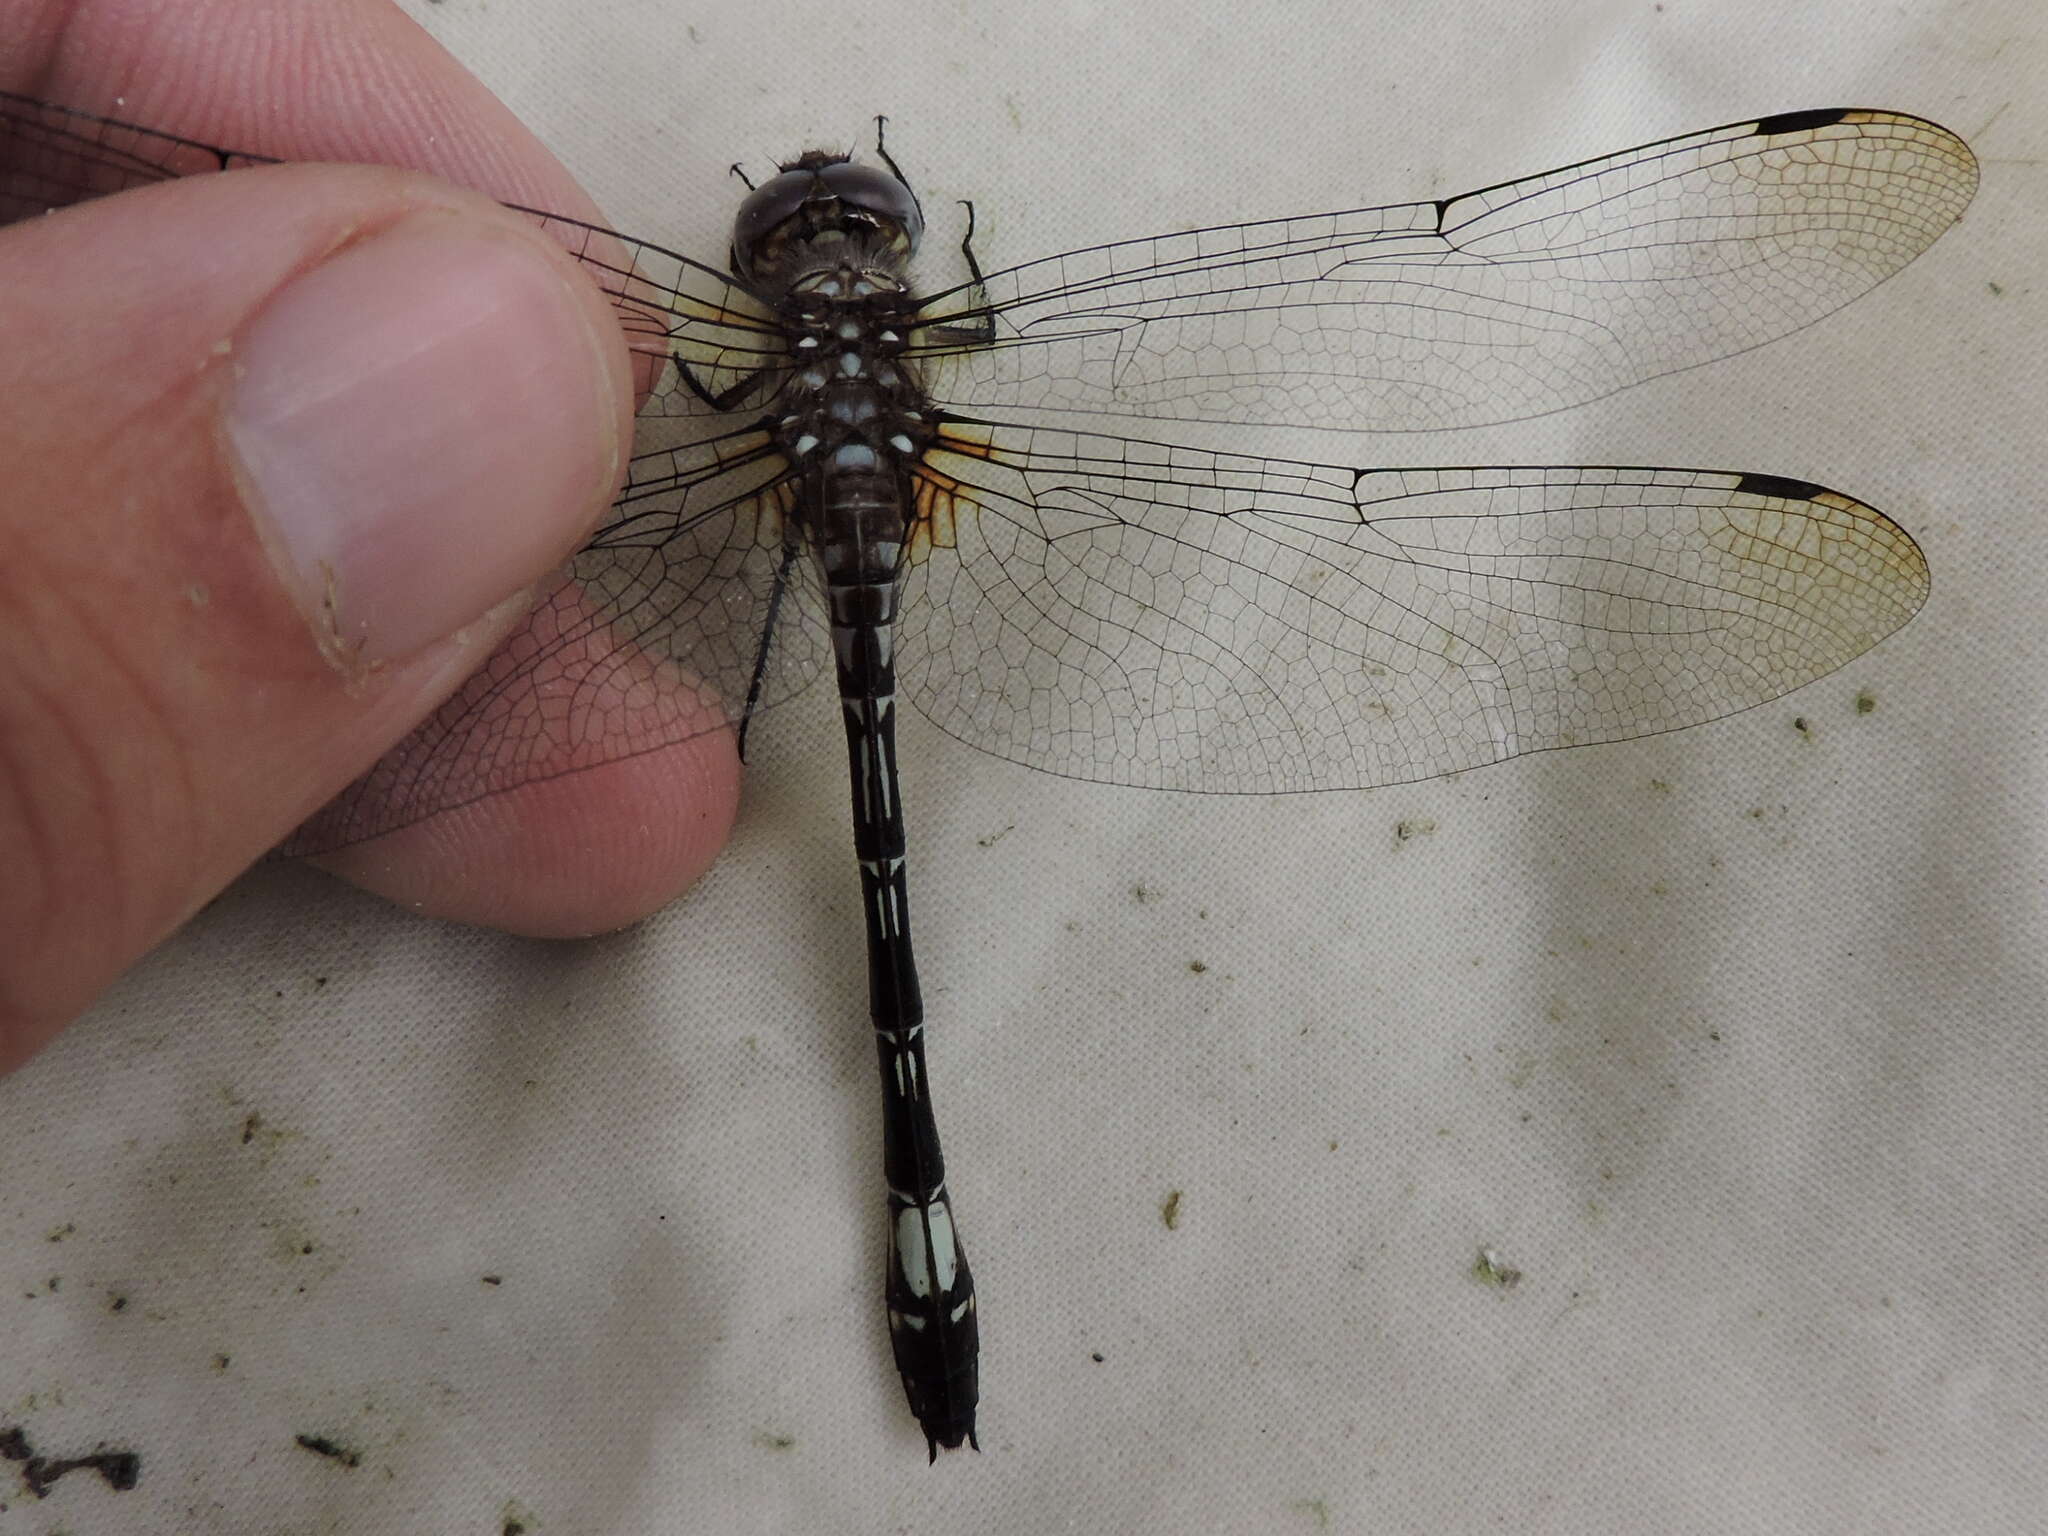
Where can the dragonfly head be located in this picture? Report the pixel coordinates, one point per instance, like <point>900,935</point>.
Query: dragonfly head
<point>823,208</point>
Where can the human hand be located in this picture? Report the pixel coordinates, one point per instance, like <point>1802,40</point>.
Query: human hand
<point>287,450</point>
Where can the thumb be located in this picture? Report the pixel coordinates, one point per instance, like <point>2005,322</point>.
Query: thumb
<point>283,450</point>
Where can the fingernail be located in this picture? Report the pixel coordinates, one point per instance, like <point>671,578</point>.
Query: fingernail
<point>425,422</point>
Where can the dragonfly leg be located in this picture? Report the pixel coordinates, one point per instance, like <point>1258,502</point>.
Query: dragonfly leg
<point>973,266</point>
<point>982,332</point>
<point>725,400</point>
<point>979,328</point>
<point>760,673</point>
<point>882,153</point>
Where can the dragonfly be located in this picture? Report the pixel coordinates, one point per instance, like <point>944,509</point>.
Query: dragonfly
<point>930,496</point>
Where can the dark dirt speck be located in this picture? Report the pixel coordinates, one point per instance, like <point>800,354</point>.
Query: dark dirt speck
<point>121,1469</point>
<point>320,1445</point>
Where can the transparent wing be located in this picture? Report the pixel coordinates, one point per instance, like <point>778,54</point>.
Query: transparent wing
<point>707,347</point>
<point>673,309</point>
<point>684,616</point>
<point>659,630</point>
<point>1500,304</point>
<point>1143,613</point>
<point>51,157</point>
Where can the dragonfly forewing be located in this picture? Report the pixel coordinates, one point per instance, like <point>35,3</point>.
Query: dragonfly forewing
<point>1501,304</point>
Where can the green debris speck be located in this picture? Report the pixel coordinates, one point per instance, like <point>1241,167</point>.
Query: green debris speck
<point>1170,1211</point>
<point>1490,1269</point>
<point>1865,701</point>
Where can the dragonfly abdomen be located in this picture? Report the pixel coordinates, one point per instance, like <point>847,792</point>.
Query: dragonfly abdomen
<point>928,1289</point>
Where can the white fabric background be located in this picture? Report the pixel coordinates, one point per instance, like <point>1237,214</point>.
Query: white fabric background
<point>1730,1041</point>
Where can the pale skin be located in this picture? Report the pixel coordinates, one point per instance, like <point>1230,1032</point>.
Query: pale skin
<point>181,683</point>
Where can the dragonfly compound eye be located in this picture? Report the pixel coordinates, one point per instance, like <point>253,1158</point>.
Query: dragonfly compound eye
<point>819,200</point>
<point>878,200</point>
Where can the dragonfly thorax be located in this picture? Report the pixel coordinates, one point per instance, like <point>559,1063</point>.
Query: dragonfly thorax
<point>849,400</point>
